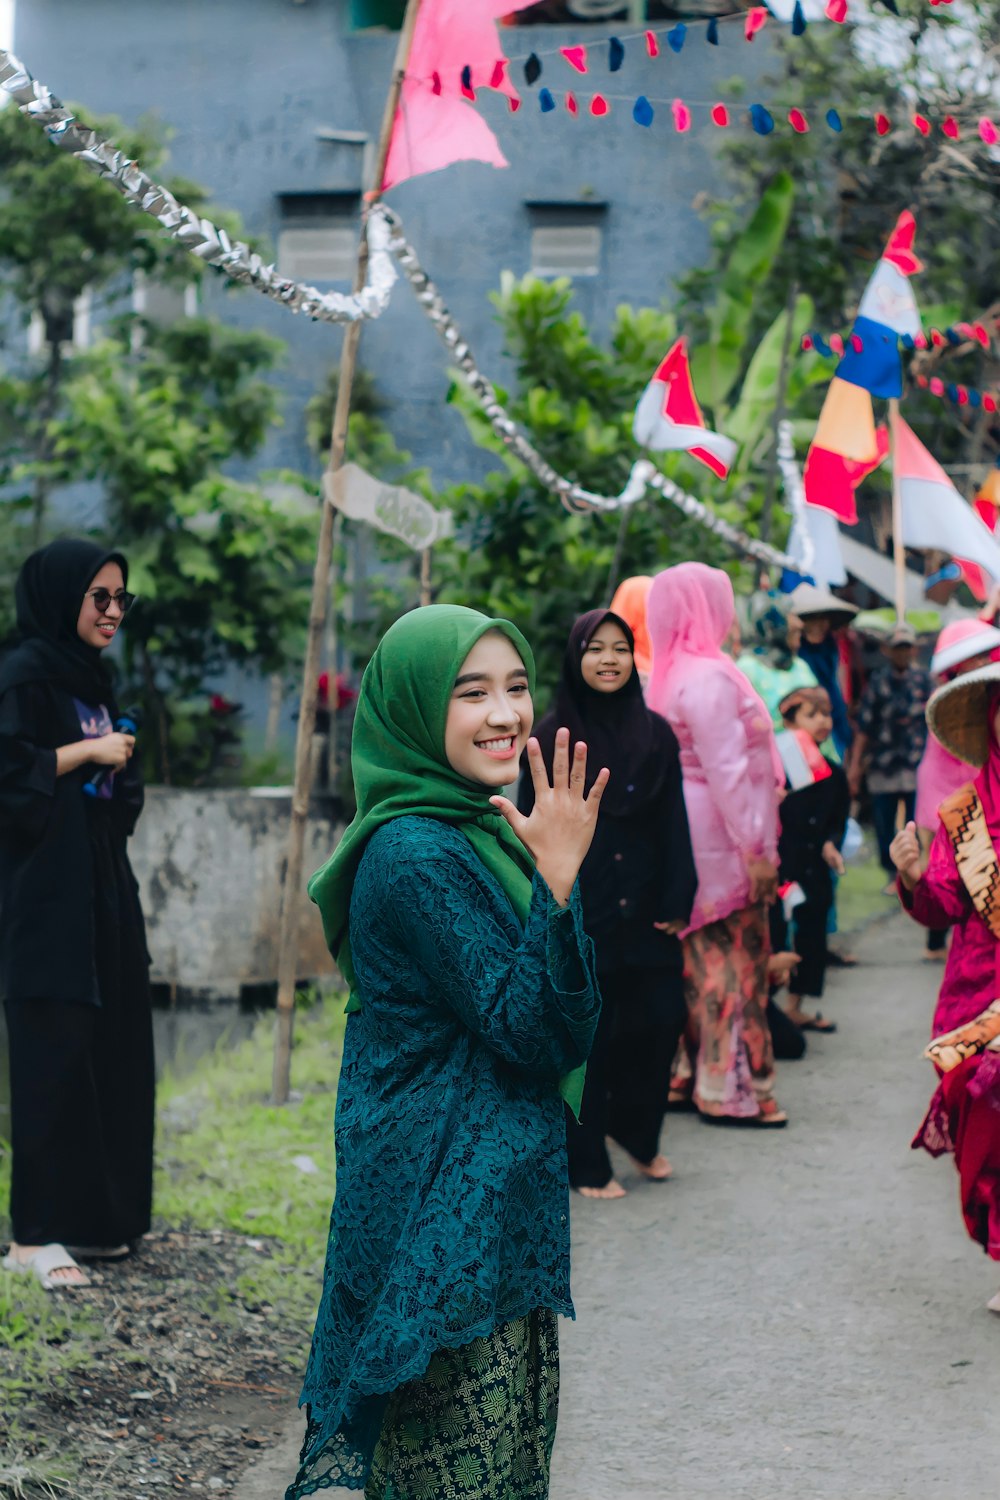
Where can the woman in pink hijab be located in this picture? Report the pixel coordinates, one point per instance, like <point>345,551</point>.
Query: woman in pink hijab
<point>728,760</point>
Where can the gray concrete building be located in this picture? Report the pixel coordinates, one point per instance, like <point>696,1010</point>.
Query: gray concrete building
<point>274,106</point>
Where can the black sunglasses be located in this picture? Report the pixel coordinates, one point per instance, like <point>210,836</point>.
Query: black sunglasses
<point>103,597</point>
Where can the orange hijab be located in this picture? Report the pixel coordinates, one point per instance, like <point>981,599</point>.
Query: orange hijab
<point>629,603</point>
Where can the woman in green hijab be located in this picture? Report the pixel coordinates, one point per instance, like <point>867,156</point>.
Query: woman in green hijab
<point>457,924</point>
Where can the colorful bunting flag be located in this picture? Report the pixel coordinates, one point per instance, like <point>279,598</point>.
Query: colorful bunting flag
<point>847,445</point>
<point>935,516</point>
<point>668,416</point>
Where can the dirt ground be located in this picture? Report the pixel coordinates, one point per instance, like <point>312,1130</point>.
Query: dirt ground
<point>186,1384</point>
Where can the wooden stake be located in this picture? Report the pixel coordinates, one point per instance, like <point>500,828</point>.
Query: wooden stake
<point>425,577</point>
<point>288,941</point>
<point>898,549</point>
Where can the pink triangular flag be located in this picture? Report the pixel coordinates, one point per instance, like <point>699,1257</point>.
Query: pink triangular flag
<point>576,57</point>
<point>668,416</point>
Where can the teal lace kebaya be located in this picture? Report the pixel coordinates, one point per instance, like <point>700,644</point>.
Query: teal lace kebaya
<point>452,1210</point>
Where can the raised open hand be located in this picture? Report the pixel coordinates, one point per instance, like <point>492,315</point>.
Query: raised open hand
<point>559,829</point>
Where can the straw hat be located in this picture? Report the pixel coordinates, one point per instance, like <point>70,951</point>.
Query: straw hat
<point>806,599</point>
<point>961,640</point>
<point>958,714</point>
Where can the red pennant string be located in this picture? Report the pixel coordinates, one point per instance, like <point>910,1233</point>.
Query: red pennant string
<point>938,339</point>
<point>980,333</point>
<point>883,124</point>
<point>923,382</point>
<point>922,124</point>
<point>682,116</point>
<point>989,402</point>
<point>720,115</point>
<point>496,77</point>
<point>836,343</point>
<point>963,396</point>
<point>756,20</point>
<point>920,341</point>
<point>576,57</point>
<point>513,103</point>
<point>836,10</point>
<point>937,386</point>
<point>571,104</point>
<point>798,121</point>
<point>435,83</point>
<point>988,131</point>
<point>468,92</point>
<point>652,45</point>
<point>950,127</point>
<point>857,343</point>
<point>807,342</point>
<point>599,105</point>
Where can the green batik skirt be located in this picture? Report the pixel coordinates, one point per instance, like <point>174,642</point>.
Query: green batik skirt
<point>479,1425</point>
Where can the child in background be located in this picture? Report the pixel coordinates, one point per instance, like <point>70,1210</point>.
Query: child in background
<point>813,823</point>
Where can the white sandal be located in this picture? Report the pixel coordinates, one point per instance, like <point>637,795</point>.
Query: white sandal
<point>46,1260</point>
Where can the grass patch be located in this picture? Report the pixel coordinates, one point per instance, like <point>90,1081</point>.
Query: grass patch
<point>859,894</point>
<point>228,1158</point>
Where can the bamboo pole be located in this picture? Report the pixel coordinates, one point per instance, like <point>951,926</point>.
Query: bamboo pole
<point>425,577</point>
<point>898,549</point>
<point>294,858</point>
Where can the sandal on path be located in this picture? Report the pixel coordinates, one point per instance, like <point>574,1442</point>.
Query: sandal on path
<point>44,1262</point>
<point>815,1023</point>
<point>773,1119</point>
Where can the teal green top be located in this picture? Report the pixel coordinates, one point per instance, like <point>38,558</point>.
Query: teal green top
<point>452,1207</point>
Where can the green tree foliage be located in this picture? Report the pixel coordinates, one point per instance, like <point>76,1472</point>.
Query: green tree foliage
<point>221,565</point>
<point>518,552</point>
<point>64,232</point>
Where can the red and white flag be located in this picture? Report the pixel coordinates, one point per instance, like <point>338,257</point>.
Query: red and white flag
<point>668,416</point>
<point>935,515</point>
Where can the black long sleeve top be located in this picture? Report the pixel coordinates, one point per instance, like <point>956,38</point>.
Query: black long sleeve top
<point>639,870</point>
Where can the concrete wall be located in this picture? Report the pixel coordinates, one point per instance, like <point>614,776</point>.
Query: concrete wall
<point>210,866</point>
<point>244,86</point>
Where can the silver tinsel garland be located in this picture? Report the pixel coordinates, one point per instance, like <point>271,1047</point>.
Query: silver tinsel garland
<point>196,234</point>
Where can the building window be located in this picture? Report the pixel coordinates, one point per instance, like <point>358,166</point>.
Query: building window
<point>318,240</point>
<point>163,302</point>
<point>387,14</point>
<point>566,239</point>
<point>70,328</point>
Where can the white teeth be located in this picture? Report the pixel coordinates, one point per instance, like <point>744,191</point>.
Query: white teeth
<point>504,744</point>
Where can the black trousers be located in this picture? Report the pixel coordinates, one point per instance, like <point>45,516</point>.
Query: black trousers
<point>642,1017</point>
<point>82,1089</point>
<point>885,805</point>
<point>810,923</point>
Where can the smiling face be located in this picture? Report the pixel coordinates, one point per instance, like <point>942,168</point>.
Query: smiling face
<point>97,627</point>
<point>490,713</point>
<point>606,664</point>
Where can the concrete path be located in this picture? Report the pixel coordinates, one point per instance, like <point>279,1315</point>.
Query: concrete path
<point>797,1315</point>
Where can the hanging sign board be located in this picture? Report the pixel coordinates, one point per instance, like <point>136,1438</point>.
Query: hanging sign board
<point>387,507</point>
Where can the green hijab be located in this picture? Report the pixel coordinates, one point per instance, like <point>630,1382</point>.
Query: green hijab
<point>400,770</point>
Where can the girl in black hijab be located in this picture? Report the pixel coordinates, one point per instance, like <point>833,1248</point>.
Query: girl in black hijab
<point>638,884</point>
<point>74,972</point>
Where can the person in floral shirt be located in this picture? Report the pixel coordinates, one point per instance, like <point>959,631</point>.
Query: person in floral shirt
<point>892,733</point>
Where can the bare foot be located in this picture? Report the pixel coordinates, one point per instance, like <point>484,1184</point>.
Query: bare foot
<point>64,1275</point>
<point>610,1189</point>
<point>657,1170</point>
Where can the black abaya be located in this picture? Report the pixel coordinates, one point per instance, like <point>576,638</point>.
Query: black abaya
<point>74,971</point>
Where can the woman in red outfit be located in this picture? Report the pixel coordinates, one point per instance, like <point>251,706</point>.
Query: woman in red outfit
<point>961,887</point>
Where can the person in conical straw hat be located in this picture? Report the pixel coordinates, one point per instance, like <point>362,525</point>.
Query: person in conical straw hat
<point>961,888</point>
<point>962,646</point>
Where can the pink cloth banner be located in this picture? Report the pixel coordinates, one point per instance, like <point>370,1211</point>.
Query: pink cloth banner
<point>434,125</point>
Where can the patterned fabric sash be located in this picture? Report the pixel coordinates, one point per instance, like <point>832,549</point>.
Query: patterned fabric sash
<point>963,816</point>
<point>979,1035</point>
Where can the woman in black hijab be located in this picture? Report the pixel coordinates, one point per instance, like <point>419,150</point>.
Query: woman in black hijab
<point>638,884</point>
<point>74,972</point>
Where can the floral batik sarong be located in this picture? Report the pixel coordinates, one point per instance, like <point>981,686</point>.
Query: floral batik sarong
<point>479,1425</point>
<point>725,982</point>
